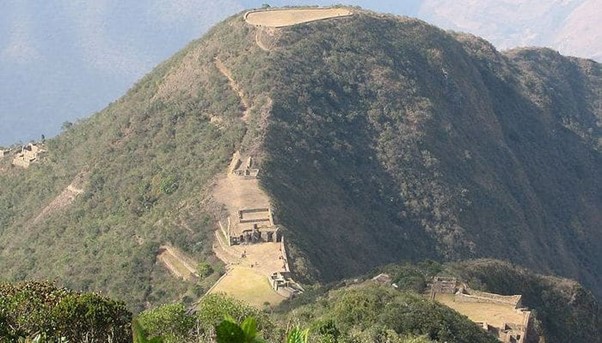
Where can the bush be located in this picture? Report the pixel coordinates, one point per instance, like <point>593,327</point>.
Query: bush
<point>39,308</point>
<point>168,321</point>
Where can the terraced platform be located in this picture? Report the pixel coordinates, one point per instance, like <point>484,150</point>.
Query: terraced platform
<point>288,17</point>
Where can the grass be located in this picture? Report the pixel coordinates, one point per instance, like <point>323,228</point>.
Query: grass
<point>246,284</point>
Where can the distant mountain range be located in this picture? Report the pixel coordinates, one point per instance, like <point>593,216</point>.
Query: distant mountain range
<point>570,26</point>
<point>62,61</point>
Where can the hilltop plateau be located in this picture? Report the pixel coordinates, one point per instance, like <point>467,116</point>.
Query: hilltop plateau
<point>375,139</point>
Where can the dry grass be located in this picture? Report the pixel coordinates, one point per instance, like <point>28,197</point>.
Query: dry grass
<point>494,314</point>
<point>249,285</point>
<point>287,17</point>
<point>184,76</point>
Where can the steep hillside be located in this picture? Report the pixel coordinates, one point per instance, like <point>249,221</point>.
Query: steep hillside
<point>392,139</point>
<point>148,162</point>
<point>379,138</point>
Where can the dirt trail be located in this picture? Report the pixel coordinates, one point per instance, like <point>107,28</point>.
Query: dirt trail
<point>267,37</point>
<point>235,87</point>
<point>250,265</point>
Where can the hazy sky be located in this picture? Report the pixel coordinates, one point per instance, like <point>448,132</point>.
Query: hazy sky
<point>66,59</point>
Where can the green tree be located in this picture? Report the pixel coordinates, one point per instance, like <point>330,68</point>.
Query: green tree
<point>228,331</point>
<point>204,269</point>
<point>213,308</point>
<point>171,322</point>
<point>39,308</point>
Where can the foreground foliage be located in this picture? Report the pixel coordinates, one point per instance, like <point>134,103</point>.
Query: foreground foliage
<point>174,323</point>
<point>44,310</point>
<point>357,310</point>
<point>362,313</point>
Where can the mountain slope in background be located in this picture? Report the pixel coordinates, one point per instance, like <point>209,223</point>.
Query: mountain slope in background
<point>61,61</point>
<point>379,139</point>
<point>567,26</point>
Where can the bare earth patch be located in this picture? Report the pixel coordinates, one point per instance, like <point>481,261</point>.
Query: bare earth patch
<point>494,314</point>
<point>288,17</point>
<point>237,193</point>
<point>249,285</point>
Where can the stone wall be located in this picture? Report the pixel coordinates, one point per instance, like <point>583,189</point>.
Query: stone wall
<point>469,295</point>
<point>444,285</point>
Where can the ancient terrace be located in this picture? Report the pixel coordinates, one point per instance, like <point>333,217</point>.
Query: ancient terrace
<point>249,241</point>
<point>293,16</point>
<point>501,315</point>
<point>247,238</point>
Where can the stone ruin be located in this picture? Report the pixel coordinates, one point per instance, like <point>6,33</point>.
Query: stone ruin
<point>508,332</point>
<point>442,285</point>
<point>251,225</point>
<point>283,283</point>
<point>246,169</point>
<point>28,154</point>
<point>255,225</point>
<point>465,294</point>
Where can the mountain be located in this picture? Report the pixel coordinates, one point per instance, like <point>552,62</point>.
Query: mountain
<point>403,140</point>
<point>63,61</point>
<point>566,26</point>
<point>378,139</point>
